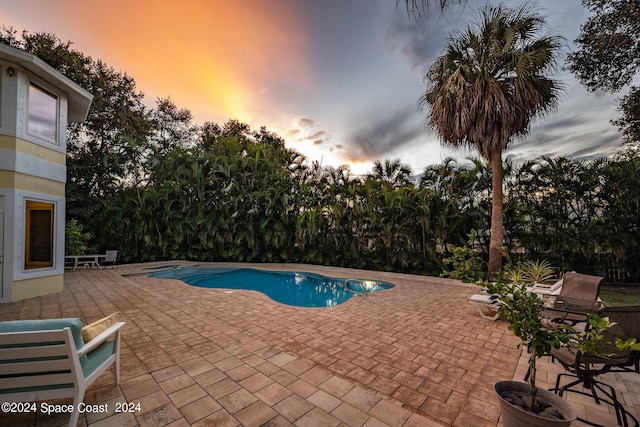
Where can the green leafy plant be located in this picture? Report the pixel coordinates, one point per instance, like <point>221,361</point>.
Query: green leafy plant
<point>538,271</point>
<point>629,344</point>
<point>514,274</point>
<point>529,272</point>
<point>76,239</point>
<point>591,340</point>
<point>522,310</point>
<point>465,262</point>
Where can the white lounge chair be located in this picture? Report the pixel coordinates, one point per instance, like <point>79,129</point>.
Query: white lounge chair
<point>48,359</point>
<point>487,307</point>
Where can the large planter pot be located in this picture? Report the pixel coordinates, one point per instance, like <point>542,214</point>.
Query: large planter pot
<point>514,416</point>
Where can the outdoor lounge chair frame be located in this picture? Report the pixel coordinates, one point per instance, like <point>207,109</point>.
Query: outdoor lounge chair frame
<point>111,256</point>
<point>487,307</point>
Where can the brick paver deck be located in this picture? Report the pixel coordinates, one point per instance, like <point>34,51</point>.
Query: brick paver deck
<point>415,355</point>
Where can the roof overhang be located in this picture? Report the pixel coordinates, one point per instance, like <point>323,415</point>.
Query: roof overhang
<point>79,98</point>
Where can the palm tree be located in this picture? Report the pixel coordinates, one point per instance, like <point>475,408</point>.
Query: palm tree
<point>393,172</point>
<point>486,89</point>
<point>417,8</point>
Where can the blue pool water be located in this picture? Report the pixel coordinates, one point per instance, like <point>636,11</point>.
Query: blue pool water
<point>291,288</point>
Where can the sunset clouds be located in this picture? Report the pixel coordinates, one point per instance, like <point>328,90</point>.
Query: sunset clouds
<point>339,80</point>
<point>216,58</point>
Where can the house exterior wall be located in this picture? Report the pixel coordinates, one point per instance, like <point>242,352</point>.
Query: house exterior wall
<point>32,170</point>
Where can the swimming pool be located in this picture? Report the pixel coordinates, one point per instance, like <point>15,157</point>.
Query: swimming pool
<point>292,288</point>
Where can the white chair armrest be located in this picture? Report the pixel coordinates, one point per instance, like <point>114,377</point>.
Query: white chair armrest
<point>102,337</point>
<point>540,289</point>
<point>553,289</point>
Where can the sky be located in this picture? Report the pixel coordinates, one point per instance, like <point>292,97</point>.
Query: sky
<point>339,80</point>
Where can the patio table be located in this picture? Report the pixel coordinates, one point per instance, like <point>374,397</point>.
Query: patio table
<point>93,260</point>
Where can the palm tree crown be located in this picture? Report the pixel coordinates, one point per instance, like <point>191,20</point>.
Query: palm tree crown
<point>488,86</point>
<point>393,172</point>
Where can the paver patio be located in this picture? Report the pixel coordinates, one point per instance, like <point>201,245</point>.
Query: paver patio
<point>415,355</point>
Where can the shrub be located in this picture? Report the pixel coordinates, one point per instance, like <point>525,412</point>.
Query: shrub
<point>529,272</point>
<point>466,263</point>
<point>75,240</point>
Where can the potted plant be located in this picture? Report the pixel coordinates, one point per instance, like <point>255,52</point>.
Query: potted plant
<point>522,404</point>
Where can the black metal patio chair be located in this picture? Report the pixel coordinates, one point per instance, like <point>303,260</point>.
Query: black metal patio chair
<point>586,367</point>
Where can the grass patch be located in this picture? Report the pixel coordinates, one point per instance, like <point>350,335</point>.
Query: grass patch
<point>620,295</point>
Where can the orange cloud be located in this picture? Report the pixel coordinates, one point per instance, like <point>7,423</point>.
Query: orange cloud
<point>216,58</point>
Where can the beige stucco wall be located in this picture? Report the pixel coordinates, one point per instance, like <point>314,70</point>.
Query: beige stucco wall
<point>30,288</point>
<point>35,184</point>
<point>39,151</point>
<point>33,181</point>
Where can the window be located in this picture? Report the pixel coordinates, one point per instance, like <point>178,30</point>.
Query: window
<point>38,235</point>
<point>43,114</point>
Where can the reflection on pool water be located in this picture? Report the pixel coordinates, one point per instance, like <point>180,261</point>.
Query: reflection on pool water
<point>291,288</point>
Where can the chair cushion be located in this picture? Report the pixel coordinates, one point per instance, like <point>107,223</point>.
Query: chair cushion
<point>94,329</point>
<point>74,324</point>
<point>89,362</point>
<point>483,299</point>
<point>97,357</point>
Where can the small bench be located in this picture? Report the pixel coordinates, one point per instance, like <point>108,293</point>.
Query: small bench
<point>48,359</point>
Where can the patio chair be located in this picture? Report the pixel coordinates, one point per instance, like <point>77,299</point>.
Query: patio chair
<point>49,359</point>
<point>586,367</point>
<point>579,287</point>
<point>112,258</point>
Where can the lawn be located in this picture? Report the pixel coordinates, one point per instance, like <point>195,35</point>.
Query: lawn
<point>621,295</point>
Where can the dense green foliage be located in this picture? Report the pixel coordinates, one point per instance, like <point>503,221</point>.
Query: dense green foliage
<point>148,182</point>
<point>75,239</point>
<point>465,262</point>
<point>253,201</point>
<point>609,45</point>
<point>577,215</point>
<point>609,57</point>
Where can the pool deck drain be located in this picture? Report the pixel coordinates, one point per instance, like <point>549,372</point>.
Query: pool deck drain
<point>414,355</point>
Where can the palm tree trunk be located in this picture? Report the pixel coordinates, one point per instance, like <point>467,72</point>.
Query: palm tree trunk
<point>497,231</point>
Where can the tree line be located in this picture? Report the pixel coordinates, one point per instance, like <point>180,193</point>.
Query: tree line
<point>240,197</point>
<point>157,186</point>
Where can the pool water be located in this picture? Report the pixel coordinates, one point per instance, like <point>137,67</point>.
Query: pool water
<point>291,288</point>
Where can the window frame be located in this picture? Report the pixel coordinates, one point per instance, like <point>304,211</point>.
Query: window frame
<point>38,205</point>
<point>41,88</point>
